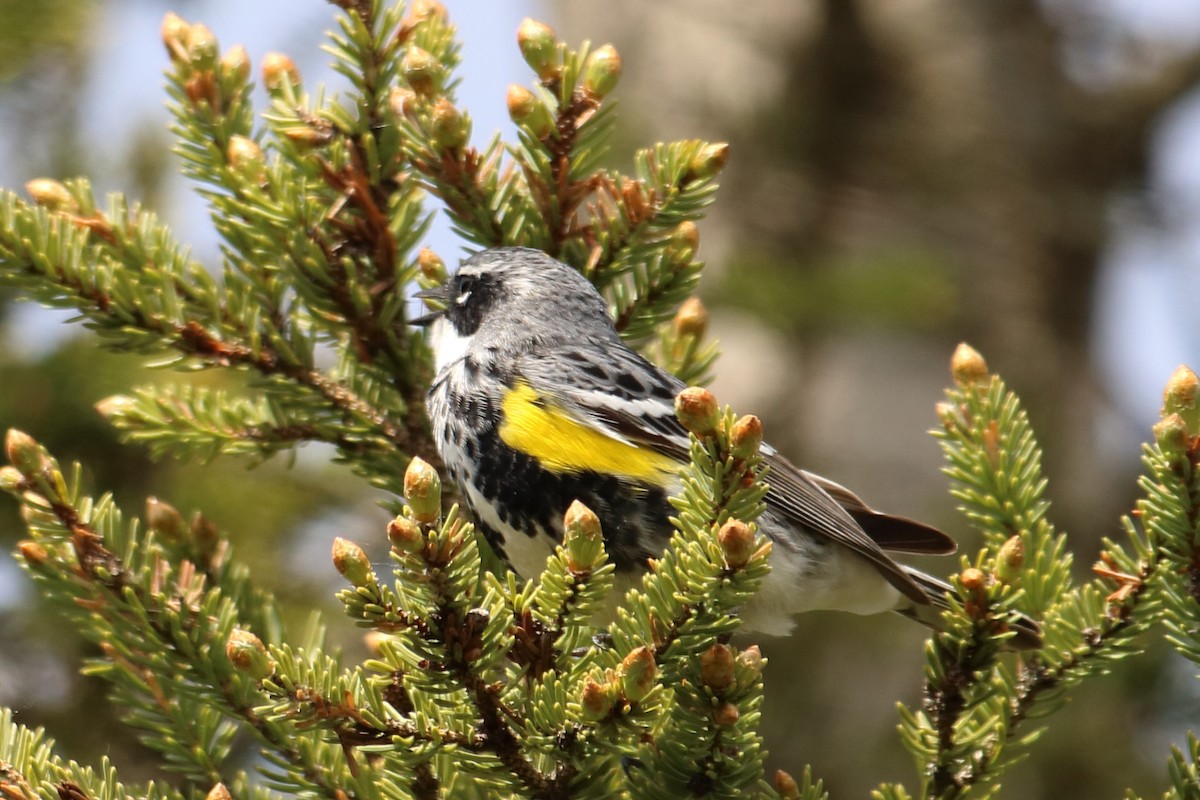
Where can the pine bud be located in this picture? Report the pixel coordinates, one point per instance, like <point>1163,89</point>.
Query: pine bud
<point>202,47</point>
<point>403,101</point>
<point>245,154</point>
<point>751,660</point>
<point>449,127</point>
<point>165,520</point>
<point>422,10</point>
<point>583,539</point>
<point>967,366</point>
<point>596,699</point>
<point>638,674</point>
<point>716,667</point>
<point>433,268</point>
<point>1171,434</point>
<point>373,640</point>
<point>1010,559</point>
<point>405,535</point>
<point>420,70</point>
<point>248,655</point>
<point>974,585</point>
<point>697,410</point>
<point>691,319</point>
<point>530,113</point>
<point>352,562</point>
<point>539,48</point>
<point>737,543</point>
<point>204,534</point>
<point>11,480</point>
<point>51,195</point>
<point>745,437</point>
<point>1182,396</point>
<point>25,453</point>
<point>786,786</point>
<point>423,491</point>
<point>218,792</point>
<point>174,32</point>
<point>35,554</point>
<point>279,70</point>
<point>707,162</point>
<point>235,64</point>
<point>685,241</point>
<point>602,71</point>
<point>726,714</point>
<point>309,135</point>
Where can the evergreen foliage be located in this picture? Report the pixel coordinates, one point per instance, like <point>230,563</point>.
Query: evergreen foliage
<point>482,685</point>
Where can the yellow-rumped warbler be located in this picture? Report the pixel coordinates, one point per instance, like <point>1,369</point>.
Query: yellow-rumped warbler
<point>537,402</point>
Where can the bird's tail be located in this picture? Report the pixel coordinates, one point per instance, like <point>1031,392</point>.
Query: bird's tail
<point>1027,634</point>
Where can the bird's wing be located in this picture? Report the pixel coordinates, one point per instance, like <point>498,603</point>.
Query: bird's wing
<point>615,390</point>
<point>889,531</point>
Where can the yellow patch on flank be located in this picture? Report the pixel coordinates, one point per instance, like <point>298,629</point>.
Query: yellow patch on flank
<point>563,444</point>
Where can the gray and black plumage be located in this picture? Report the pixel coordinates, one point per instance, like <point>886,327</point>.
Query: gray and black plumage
<point>537,402</point>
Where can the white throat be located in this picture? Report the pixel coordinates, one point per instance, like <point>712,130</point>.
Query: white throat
<point>448,346</point>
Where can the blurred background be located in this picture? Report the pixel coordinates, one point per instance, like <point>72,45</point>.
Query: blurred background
<point>905,174</point>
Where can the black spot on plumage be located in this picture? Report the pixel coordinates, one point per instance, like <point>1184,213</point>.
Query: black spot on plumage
<point>595,370</point>
<point>631,383</point>
<point>532,500</point>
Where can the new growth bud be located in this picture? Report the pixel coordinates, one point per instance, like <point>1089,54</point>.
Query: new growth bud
<point>1171,435</point>
<point>165,520</point>
<point>202,47</point>
<point>433,268</point>
<point>539,48</point>
<point>277,69</point>
<point>248,655</point>
<point>51,195</point>
<point>745,437</point>
<point>449,127</point>
<point>737,543</point>
<point>245,154</point>
<point>708,161</point>
<point>726,714</point>
<point>423,491</point>
<point>691,319</point>
<point>405,535</point>
<point>596,699</point>
<point>967,366</point>
<point>235,63</point>
<point>174,32</point>
<point>420,70</point>
<point>716,667</point>
<point>530,113</point>
<point>11,480</point>
<point>583,539</point>
<point>697,410</point>
<point>685,241</point>
<point>352,562</point>
<point>218,792</point>
<point>638,674</point>
<point>1010,559</point>
<point>35,555</point>
<point>1182,396</point>
<point>25,453</point>
<point>786,786</point>
<point>602,71</point>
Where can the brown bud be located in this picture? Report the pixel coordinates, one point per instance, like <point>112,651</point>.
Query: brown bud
<point>403,101</point>
<point>745,437</point>
<point>51,195</point>
<point>786,786</point>
<point>638,674</point>
<point>539,48</point>
<point>967,366</point>
<point>202,47</point>
<point>596,699</point>
<point>726,714</point>
<point>751,660</point>
<point>279,70</point>
<point>204,534</point>
<point>530,113</point>
<point>165,520</point>
<point>1010,559</point>
<point>1171,435</point>
<point>582,538</point>
<point>244,153</point>
<point>691,319</point>
<point>449,127</point>
<point>373,640</point>
<point>352,562</point>
<point>309,135</point>
<point>1182,396</point>
<point>423,491</point>
<point>11,480</point>
<point>716,667</point>
<point>35,555</point>
<point>422,10</point>
<point>697,410</point>
<point>737,543</point>
<point>405,535</point>
<point>218,792</point>
<point>433,268</point>
<point>248,655</point>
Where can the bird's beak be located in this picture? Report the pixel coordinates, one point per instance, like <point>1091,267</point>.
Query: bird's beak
<point>432,293</point>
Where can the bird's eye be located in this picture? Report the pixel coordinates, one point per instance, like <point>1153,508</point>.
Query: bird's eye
<point>463,284</point>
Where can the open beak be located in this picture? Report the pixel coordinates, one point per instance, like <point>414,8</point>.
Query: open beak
<point>432,293</point>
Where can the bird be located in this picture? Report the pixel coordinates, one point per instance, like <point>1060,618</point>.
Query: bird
<point>536,402</point>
